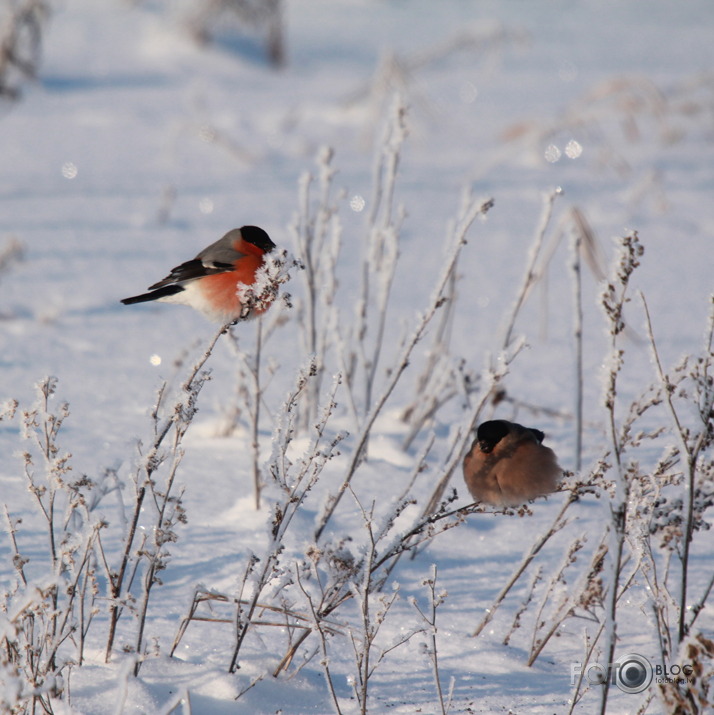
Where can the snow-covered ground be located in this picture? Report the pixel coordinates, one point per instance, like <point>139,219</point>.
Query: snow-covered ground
<point>135,148</point>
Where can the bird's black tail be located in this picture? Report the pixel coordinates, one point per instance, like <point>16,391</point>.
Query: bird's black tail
<point>153,295</point>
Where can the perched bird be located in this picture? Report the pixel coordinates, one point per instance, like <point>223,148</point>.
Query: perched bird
<point>209,283</point>
<point>507,464</point>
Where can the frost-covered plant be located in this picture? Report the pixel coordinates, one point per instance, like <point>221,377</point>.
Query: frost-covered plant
<point>316,232</point>
<point>613,300</point>
<point>21,26</point>
<point>697,651</point>
<point>168,510</point>
<point>431,649</point>
<point>47,611</point>
<point>356,351</point>
<point>379,260</point>
<point>264,15</point>
<point>12,251</point>
<point>294,482</point>
<point>332,573</point>
<point>470,209</point>
<point>654,511</point>
<point>679,512</point>
<point>373,607</point>
<point>692,384</point>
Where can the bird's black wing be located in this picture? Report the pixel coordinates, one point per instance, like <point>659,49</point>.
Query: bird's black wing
<point>191,270</point>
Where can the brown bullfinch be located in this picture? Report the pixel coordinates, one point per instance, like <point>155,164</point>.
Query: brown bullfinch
<point>507,465</point>
<point>210,282</point>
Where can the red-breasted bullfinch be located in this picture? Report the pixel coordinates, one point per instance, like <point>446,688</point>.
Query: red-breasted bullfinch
<point>210,282</point>
<point>507,464</point>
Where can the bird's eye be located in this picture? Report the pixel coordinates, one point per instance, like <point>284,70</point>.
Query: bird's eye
<point>490,433</point>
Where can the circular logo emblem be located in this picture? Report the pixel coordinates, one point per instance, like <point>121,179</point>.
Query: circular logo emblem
<point>633,673</point>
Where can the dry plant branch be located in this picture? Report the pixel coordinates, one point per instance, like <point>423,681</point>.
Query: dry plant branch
<point>442,376</point>
<point>317,235</point>
<point>290,618</point>
<point>432,651</point>
<point>345,570</point>
<point>584,600</point>
<point>516,623</point>
<point>369,626</point>
<point>264,16</point>
<point>248,400</point>
<point>613,300</point>
<point>318,624</point>
<point>576,247</point>
<point>532,274</point>
<point>183,411</point>
<point>382,249</point>
<point>595,590</point>
<point>21,44</point>
<point>10,253</point>
<point>558,523</point>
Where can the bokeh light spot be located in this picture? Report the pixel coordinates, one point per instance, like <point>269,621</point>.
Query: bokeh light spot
<point>69,170</point>
<point>552,153</point>
<point>357,203</point>
<point>573,149</point>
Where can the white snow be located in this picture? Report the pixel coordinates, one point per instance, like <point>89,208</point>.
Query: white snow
<point>135,148</point>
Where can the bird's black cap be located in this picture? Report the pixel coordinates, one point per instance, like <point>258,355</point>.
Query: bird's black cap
<point>257,237</point>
